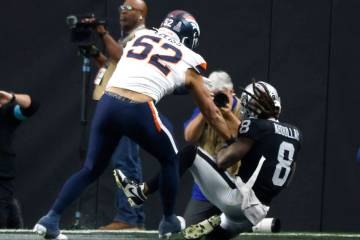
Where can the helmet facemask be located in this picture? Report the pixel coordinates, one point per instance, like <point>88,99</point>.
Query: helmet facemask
<point>260,100</point>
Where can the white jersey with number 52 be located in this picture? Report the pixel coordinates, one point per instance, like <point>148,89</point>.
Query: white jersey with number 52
<point>154,64</point>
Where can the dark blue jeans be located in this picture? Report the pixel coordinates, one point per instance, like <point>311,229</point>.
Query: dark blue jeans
<point>126,157</point>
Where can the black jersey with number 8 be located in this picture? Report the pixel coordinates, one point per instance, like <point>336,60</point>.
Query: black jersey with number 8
<point>279,144</point>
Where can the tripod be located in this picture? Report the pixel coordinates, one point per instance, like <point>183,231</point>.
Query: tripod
<point>86,68</point>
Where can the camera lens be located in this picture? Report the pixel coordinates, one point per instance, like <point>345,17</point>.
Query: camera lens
<point>221,99</point>
<point>71,21</point>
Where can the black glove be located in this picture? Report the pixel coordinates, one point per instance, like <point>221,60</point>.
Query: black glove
<point>89,51</point>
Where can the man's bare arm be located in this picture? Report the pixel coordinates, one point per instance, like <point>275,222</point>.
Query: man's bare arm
<point>23,100</point>
<point>205,103</point>
<point>113,48</point>
<point>194,129</point>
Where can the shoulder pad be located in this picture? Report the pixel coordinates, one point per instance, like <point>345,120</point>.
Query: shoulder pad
<point>196,61</point>
<point>252,128</point>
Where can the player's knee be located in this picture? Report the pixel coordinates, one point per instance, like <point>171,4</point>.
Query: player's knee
<point>187,155</point>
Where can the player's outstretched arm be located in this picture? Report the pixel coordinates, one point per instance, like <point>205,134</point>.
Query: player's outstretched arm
<point>230,155</point>
<point>205,103</point>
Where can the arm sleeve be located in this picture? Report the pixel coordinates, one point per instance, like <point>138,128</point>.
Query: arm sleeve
<point>21,113</point>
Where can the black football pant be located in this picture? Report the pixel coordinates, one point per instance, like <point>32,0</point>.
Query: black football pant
<point>10,211</point>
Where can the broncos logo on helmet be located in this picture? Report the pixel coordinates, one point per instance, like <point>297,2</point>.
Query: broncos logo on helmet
<point>184,25</point>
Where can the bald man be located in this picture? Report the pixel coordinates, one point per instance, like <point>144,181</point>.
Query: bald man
<point>132,16</point>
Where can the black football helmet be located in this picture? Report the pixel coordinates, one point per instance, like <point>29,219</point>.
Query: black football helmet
<point>185,26</point>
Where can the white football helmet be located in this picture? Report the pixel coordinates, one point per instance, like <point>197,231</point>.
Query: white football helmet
<point>260,102</point>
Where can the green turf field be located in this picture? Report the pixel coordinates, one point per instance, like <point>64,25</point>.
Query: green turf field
<point>145,235</point>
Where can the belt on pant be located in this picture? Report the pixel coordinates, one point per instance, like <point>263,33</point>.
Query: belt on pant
<point>119,97</point>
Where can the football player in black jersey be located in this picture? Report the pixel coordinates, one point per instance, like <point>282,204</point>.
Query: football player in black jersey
<point>267,150</point>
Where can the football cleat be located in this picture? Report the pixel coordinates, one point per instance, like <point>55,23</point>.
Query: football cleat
<point>202,228</point>
<point>172,227</point>
<point>133,190</point>
<point>48,229</point>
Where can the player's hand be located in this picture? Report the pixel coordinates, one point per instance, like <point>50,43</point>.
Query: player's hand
<point>5,98</point>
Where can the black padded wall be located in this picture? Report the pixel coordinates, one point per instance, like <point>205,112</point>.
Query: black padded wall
<point>307,49</point>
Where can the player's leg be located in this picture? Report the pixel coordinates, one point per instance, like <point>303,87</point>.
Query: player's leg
<point>153,134</point>
<point>126,158</point>
<point>186,158</point>
<point>199,210</point>
<point>104,137</point>
<point>241,209</point>
<point>140,191</point>
<point>217,185</point>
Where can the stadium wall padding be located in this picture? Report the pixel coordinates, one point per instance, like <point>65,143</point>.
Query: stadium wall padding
<point>307,49</point>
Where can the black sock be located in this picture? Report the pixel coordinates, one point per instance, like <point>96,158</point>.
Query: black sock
<point>186,158</point>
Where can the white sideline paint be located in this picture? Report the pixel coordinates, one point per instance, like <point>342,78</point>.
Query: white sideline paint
<point>151,232</point>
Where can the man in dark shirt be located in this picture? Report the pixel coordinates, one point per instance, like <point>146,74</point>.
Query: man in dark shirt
<point>14,109</point>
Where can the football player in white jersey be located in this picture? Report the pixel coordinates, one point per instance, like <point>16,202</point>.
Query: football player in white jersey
<point>154,64</point>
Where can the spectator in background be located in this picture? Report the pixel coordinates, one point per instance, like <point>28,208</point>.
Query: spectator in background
<point>132,16</point>
<point>198,131</point>
<point>14,109</point>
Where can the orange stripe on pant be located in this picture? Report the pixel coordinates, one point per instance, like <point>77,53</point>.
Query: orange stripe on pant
<point>155,116</point>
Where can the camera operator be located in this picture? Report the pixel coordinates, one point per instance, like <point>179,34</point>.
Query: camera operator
<point>132,16</point>
<point>198,131</point>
